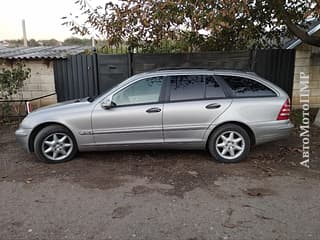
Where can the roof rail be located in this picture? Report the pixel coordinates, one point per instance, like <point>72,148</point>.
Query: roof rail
<point>199,68</point>
<point>180,68</point>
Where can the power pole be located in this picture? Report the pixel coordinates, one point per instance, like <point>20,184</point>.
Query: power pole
<point>25,41</point>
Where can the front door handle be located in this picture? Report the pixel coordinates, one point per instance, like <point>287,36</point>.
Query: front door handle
<point>213,105</point>
<point>153,110</point>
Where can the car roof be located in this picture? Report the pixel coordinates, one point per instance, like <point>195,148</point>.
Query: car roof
<point>180,71</point>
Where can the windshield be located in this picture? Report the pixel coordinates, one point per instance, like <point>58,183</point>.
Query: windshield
<point>91,99</point>
<point>119,85</point>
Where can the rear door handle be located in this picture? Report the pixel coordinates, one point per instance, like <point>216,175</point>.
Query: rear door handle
<point>153,110</point>
<point>213,105</point>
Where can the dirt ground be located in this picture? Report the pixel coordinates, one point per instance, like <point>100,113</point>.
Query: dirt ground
<point>160,194</point>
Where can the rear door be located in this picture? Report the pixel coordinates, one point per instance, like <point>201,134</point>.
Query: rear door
<point>193,103</point>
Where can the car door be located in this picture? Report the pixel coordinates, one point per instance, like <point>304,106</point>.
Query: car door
<point>193,103</point>
<point>135,118</point>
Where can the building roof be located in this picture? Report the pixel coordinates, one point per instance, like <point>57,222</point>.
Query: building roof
<point>313,28</point>
<point>57,52</point>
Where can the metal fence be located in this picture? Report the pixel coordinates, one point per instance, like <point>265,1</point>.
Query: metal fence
<point>19,108</point>
<point>276,65</point>
<point>76,77</point>
<point>89,75</point>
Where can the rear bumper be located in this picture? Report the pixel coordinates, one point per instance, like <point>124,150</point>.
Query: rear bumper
<point>271,131</point>
<point>22,137</point>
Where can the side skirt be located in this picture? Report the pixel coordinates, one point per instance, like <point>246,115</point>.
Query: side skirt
<point>144,146</point>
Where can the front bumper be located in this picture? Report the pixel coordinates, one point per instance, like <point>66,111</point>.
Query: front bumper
<point>22,137</point>
<point>271,131</point>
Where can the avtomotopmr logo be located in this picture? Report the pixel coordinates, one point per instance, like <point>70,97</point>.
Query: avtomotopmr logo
<point>305,124</point>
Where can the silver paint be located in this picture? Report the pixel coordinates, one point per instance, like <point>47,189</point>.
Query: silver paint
<point>186,124</point>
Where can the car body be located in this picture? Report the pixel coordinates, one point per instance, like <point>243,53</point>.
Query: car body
<point>179,108</point>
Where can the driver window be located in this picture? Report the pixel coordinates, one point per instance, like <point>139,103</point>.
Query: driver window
<point>144,91</point>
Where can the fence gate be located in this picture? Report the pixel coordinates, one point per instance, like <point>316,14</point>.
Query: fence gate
<point>76,77</point>
<point>112,69</point>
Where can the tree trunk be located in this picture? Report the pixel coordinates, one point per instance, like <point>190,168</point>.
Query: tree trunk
<point>301,34</point>
<point>317,120</point>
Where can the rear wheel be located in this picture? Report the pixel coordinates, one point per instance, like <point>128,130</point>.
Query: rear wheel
<point>229,143</point>
<point>55,144</point>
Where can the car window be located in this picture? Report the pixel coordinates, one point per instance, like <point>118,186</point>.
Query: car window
<point>213,89</point>
<point>144,91</point>
<point>192,87</point>
<point>186,87</point>
<point>244,87</point>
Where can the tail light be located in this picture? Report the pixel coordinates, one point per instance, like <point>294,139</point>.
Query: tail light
<point>284,113</point>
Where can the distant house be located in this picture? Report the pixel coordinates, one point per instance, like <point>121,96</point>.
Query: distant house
<point>307,61</point>
<point>40,61</point>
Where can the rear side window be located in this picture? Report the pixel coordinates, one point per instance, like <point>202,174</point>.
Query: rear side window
<point>194,87</point>
<point>213,89</point>
<point>244,87</point>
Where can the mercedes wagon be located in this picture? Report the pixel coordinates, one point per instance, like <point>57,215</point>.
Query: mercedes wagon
<point>222,111</point>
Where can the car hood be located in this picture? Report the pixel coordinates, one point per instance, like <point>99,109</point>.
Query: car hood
<point>57,113</point>
<point>62,105</point>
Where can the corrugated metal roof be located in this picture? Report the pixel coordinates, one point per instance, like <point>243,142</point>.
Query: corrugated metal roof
<point>41,52</point>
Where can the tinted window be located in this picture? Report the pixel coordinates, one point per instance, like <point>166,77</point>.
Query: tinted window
<point>143,91</point>
<point>244,87</point>
<point>191,87</point>
<point>213,89</point>
<point>186,87</point>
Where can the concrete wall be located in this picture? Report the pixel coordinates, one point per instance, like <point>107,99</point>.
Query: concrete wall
<point>307,61</point>
<point>39,84</point>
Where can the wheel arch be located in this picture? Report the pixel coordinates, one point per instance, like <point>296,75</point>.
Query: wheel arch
<point>243,125</point>
<point>41,126</point>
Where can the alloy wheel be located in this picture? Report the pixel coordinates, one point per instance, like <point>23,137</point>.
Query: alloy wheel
<point>230,145</point>
<point>57,146</point>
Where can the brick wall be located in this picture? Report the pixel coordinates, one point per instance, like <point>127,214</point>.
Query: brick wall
<point>307,61</point>
<point>39,84</point>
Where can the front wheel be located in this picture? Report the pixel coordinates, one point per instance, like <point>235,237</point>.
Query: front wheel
<point>229,143</point>
<point>55,144</point>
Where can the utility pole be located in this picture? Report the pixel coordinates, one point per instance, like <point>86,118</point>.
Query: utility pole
<point>25,41</point>
<point>93,42</point>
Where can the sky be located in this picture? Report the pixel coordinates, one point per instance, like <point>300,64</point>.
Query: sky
<point>42,17</point>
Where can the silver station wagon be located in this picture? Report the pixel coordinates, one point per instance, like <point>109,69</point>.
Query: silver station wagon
<point>226,112</point>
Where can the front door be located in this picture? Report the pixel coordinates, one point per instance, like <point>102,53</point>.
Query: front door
<point>135,118</point>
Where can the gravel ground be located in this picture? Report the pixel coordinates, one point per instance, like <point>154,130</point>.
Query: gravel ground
<point>160,194</point>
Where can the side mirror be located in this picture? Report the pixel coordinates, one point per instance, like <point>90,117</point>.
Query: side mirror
<point>107,103</point>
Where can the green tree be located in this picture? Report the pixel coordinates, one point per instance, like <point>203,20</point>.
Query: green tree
<point>197,25</point>
<point>50,42</point>
<point>77,41</point>
<point>15,43</point>
<point>11,79</point>
<point>33,43</point>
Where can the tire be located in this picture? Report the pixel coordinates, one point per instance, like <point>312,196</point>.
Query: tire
<point>229,143</point>
<point>55,144</point>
